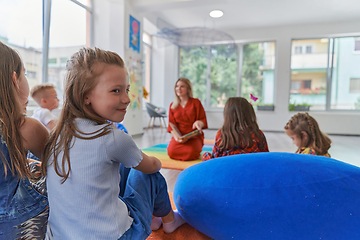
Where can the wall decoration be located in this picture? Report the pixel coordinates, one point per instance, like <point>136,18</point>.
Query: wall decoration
<point>134,34</point>
<point>134,66</point>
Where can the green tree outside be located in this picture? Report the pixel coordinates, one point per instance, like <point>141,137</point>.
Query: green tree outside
<point>251,79</point>
<point>224,69</point>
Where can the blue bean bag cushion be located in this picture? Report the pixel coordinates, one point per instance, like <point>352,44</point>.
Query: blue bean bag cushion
<point>262,196</point>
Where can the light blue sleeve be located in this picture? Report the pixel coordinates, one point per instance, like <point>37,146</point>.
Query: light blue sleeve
<point>120,147</point>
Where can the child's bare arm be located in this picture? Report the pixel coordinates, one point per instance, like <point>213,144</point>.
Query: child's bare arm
<point>34,136</point>
<point>149,164</point>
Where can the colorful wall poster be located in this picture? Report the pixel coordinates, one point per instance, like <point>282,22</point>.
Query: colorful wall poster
<point>134,34</point>
<point>134,66</point>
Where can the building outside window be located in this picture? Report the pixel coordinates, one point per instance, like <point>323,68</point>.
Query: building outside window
<point>24,36</point>
<point>354,84</point>
<point>61,46</point>
<point>344,68</point>
<point>357,44</point>
<point>308,49</point>
<point>308,74</point>
<point>298,50</point>
<point>66,36</point>
<point>331,64</point>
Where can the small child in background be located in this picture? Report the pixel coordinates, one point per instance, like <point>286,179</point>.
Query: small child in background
<point>306,135</point>
<point>45,95</point>
<point>240,132</point>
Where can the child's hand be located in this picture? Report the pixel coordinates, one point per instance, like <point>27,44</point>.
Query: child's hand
<point>198,125</point>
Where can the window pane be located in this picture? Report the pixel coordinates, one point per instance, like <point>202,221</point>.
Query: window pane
<point>193,65</point>
<point>345,92</point>
<point>258,72</point>
<point>224,68</point>
<point>66,37</point>
<point>24,36</point>
<point>308,73</point>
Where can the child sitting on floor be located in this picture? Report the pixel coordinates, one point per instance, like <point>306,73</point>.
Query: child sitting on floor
<point>240,132</point>
<point>86,158</point>
<point>306,135</point>
<point>45,95</point>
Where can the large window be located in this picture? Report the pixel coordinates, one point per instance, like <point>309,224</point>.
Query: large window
<point>24,36</point>
<point>25,26</point>
<point>61,46</point>
<point>214,72</point>
<point>326,78</point>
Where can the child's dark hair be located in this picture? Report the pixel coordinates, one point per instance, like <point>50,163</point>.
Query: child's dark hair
<point>83,70</point>
<point>239,123</point>
<point>316,138</point>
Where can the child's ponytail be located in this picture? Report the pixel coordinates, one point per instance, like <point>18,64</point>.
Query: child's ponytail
<point>321,141</point>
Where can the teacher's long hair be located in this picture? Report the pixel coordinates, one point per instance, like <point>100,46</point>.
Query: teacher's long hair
<point>189,92</point>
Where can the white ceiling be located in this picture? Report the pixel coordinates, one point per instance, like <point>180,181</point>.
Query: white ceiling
<point>240,14</point>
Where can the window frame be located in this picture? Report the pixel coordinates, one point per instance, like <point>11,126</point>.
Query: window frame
<point>46,31</point>
<point>151,65</point>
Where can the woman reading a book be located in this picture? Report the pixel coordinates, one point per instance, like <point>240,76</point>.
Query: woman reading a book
<point>187,118</point>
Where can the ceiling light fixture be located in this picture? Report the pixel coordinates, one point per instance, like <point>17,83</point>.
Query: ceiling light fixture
<point>216,13</point>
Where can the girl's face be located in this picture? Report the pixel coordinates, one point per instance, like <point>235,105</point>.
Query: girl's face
<point>181,89</point>
<point>296,138</point>
<point>23,89</point>
<point>109,98</point>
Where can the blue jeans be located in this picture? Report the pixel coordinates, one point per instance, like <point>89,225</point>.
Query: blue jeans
<point>145,195</point>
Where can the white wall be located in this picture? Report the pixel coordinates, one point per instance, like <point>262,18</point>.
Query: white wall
<point>330,122</point>
<point>111,32</point>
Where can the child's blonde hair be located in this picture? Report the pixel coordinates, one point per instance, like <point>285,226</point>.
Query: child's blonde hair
<point>82,77</point>
<point>39,91</point>
<point>316,138</point>
<point>189,92</point>
<point>239,123</point>
<point>11,116</point>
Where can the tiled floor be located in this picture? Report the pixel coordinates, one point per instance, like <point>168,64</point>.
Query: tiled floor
<point>344,148</point>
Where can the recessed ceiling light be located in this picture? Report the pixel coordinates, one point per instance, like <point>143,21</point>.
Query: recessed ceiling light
<point>216,13</point>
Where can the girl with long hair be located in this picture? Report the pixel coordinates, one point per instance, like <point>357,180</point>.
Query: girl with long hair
<point>305,132</point>
<point>240,132</point>
<point>186,114</point>
<point>87,157</point>
<point>23,210</point>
